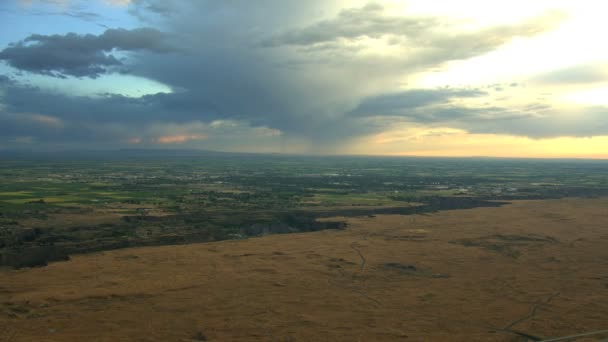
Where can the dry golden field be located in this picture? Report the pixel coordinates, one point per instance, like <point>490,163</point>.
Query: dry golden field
<point>537,268</point>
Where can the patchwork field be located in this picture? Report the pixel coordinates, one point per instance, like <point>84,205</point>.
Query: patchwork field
<point>525,271</point>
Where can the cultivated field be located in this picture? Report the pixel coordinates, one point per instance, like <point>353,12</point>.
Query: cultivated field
<point>535,268</point>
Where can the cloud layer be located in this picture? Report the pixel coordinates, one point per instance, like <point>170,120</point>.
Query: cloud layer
<point>81,55</point>
<point>270,74</point>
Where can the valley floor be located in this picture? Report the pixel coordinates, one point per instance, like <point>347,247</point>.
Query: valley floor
<point>537,268</point>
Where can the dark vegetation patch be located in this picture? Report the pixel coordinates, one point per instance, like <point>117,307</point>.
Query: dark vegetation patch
<point>18,309</point>
<point>127,257</point>
<point>181,199</point>
<point>412,270</point>
<point>430,204</point>
<point>407,237</point>
<point>199,336</point>
<point>401,267</point>
<point>32,256</point>
<point>509,245</point>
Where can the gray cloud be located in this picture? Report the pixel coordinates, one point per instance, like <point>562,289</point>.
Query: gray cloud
<point>535,120</point>
<point>54,119</point>
<point>80,55</point>
<point>549,123</point>
<point>578,74</point>
<point>436,108</point>
<point>401,103</point>
<point>430,38</point>
<point>111,108</point>
<point>368,21</point>
<point>307,94</point>
<point>264,65</point>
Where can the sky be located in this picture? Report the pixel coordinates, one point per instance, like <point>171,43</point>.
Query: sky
<point>421,77</point>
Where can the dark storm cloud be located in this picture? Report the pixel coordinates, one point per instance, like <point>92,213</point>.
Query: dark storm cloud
<point>60,118</point>
<point>400,103</point>
<point>176,107</point>
<point>57,118</point>
<point>307,94</point>
<point>27,125</point>
<point>80,55</point>
<point>265,63</point>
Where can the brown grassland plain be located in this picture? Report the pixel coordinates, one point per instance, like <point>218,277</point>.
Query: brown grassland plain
<point>487,274</point>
